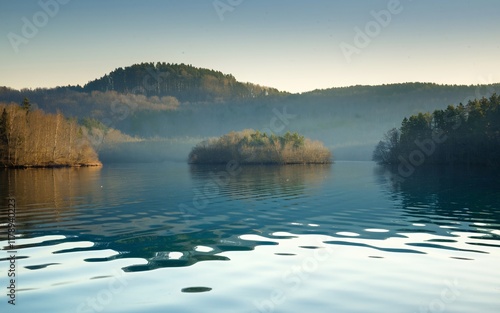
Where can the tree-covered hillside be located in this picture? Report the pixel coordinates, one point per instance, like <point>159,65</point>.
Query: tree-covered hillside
<point>184,82</point>
<point>463,134</point>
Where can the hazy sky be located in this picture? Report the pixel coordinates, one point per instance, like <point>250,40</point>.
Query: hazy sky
<point>291,45</point>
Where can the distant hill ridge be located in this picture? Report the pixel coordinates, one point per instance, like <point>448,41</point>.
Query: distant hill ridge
<point>152,100</point>
<point>192,84</point>
<point>184,82</point>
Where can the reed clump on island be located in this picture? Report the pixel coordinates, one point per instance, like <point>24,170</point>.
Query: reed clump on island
<point>254,147</point>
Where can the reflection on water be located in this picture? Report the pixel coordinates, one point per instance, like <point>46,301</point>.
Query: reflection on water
<point>447,197</point>
<point>46,197</point>
<point>50,187</point>
<point>260,182</point>
<point>131,211</point>
<point>229,206</point>
<point>131,218</point>
<point>136,213</point>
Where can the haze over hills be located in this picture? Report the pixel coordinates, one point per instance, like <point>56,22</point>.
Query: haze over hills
<point>163,109</point>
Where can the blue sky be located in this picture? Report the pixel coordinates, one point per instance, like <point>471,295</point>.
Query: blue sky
<point>291,45</point>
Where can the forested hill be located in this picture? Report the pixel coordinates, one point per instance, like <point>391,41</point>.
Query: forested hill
<point>464,134</point>
<point>184,82</point>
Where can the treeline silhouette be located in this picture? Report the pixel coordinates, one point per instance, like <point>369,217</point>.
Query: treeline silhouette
<point>463,134</point>
<point>31,138</point>
<point>254,147</point>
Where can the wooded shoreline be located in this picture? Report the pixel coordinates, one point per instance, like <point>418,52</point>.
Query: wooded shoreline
<point>459,135</point>
<point>33,139</point>
<point>50,166</point>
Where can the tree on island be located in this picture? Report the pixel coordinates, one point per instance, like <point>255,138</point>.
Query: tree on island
<point>254,147</point>
<point>35,139</point>
<point>467,134</point>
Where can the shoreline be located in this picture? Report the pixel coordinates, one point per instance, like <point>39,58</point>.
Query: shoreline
<point>263,163</point>
<point>51,166</point>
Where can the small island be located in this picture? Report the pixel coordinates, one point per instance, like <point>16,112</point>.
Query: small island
<point>32,138</point>
<point>254,147</point>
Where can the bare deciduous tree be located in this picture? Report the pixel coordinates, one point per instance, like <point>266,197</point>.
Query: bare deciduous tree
<point>33,138</point>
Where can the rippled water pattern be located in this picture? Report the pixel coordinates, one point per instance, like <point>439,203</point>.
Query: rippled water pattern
<point>347,237</point>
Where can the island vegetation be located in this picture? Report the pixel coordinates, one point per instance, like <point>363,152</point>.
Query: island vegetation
<point>464,134</point>
<point>32,138</point>
<point>254,147</point>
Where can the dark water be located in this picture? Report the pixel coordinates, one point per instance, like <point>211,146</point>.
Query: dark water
<point>349,237</point>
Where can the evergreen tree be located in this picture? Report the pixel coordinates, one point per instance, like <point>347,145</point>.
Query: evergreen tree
<point>471,135</point>
<point>26,104</point>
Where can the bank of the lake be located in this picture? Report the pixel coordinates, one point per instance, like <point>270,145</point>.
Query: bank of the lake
<point>32,138</point>
<point>51,166</point>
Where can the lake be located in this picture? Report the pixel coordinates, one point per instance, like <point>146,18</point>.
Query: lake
<point>170,237</point>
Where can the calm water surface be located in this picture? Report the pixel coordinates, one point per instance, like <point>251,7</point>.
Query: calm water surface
<point>176,238</point>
